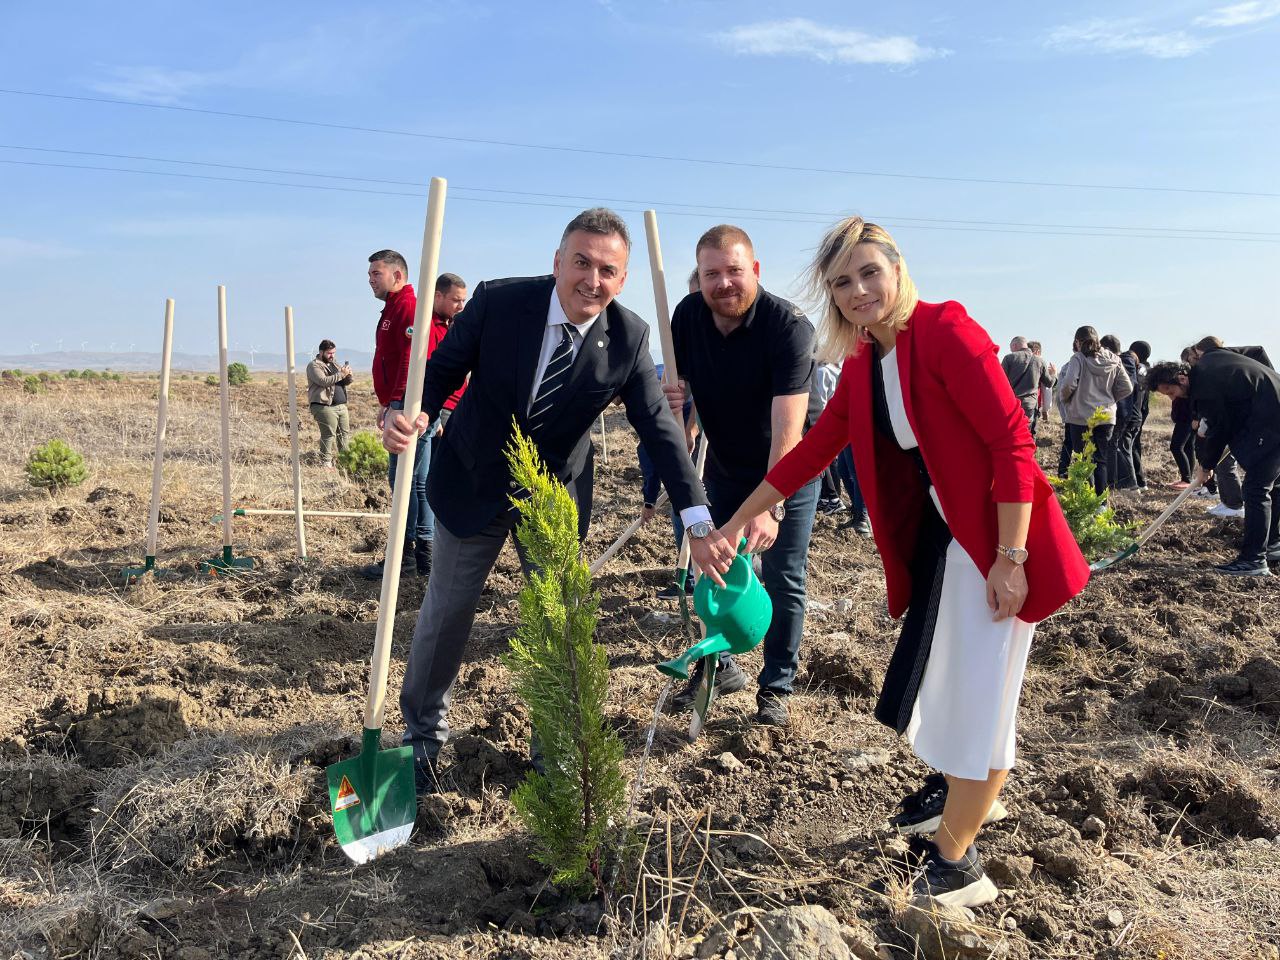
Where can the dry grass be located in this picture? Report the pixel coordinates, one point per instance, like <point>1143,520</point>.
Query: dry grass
<point>203,797</point>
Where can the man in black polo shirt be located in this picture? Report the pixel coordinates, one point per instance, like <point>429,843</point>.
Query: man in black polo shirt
<point>747,358</point>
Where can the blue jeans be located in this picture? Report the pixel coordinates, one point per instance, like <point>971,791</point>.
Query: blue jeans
<point>421,524</point>
<point>785,571</point>
<point>844,468</point>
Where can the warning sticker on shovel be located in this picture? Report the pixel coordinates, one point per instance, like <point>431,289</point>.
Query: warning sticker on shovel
<point>346,796</point>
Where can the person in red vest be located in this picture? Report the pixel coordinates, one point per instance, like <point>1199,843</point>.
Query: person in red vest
<point>451,297</point>
<point>389,281</point>
<point>975,548</point>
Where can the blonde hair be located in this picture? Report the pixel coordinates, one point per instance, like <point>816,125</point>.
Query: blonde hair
<point>837,337</point>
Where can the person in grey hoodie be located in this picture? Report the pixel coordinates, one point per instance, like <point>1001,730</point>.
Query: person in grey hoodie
<point>1093,377</point>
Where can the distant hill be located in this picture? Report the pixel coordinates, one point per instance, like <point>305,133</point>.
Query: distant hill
<point>150,362</point>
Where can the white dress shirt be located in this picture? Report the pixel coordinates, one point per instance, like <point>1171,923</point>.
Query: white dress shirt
<point>551,338</point>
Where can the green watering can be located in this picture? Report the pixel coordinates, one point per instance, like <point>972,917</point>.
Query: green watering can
<point>736,616</point>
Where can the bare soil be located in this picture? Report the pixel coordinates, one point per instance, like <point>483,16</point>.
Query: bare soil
<point>162,745</point>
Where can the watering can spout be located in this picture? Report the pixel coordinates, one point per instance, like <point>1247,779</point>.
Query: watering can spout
<point>736,617</point>
<point>709,645</point>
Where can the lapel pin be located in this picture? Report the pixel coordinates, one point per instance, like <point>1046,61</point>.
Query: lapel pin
<point>599,343</point>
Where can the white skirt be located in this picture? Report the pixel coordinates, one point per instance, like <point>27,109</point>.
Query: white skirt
<point>964,722</point>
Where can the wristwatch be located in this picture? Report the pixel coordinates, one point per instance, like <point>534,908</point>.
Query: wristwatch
<point>778,511</point>
<point>1016,554</point>
<point>700,530</point>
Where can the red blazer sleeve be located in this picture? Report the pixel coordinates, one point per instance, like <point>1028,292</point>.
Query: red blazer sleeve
<point>818,447</point>
<point>966,361</point>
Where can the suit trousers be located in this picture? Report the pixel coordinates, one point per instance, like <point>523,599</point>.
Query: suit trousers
<point>460,566</point>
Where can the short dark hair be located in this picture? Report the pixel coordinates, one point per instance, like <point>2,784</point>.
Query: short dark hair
<point>447,281</point>
<point>1141,349</point>
<point>1111,342</point>
<point>1188,354</point>
<point>1034,346</point>
<point>392,259</point>
<point>721,237</point>
<point>598,220</point>
<point>1205,344</point>
<point>327,345</point>
<point>1166,373</point>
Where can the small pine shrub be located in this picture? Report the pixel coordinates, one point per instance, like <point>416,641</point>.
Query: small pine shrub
<point>54,466</point>
<point>117,377</point>
<point>11,374</point>
<point>211,380</point>
<point>73,374</point>
<point>365,457</point>
<point>575,809</point>
<point>31,383</point>
<point>1092,520</point>
<point>237,374</point>
<point>89,375</point>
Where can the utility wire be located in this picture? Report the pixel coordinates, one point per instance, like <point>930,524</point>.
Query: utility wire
<point>1196,231</point>
<point>748,164</point>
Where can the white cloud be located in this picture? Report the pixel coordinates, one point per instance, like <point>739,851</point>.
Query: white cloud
<point>1240,14</point>
<point>804,38</point>
<point>1126,36</point>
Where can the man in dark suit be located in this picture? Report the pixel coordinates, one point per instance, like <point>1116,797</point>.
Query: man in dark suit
<point>552,353</point>
<point>1237,401</point>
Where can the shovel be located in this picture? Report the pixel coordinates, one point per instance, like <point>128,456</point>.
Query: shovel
<point>1146,534</point>
<point>373,797</point>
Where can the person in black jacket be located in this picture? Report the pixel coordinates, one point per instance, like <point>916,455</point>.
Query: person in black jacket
<point>1131,414</point>
<point>549,353</point>
<point>1237,401</point>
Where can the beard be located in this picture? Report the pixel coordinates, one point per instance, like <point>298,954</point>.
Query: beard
<point>733,307</point>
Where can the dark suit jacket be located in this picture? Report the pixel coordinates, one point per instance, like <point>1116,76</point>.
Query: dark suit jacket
<point>1254,353</point>
<point>1240,399</point>
<point>497,338</point>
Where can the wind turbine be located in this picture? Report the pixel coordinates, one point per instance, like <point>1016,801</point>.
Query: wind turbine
<point>59,344</point>
<point>33,346</point>
<point>84,345</point>
<point>252,350</point>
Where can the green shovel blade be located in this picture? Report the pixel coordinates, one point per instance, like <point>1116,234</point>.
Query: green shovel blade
<point>373,799</point>
<point>1115,558</point>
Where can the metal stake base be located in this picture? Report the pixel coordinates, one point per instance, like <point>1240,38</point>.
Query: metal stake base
<point>228,561</point>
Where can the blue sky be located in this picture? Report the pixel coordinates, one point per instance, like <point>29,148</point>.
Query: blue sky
<point>1177,95</point>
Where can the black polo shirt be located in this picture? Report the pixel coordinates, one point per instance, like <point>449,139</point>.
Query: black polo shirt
<point>734,379</point>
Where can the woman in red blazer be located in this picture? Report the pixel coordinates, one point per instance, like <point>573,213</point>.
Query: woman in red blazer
<point>975,547</point>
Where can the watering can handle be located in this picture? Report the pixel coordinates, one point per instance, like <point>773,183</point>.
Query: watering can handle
<point>742,544</point>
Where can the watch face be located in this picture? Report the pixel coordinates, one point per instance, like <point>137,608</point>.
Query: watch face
<point>699,530</point>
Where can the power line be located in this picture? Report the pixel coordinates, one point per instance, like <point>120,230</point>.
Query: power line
<point>825,216</point>
<point>670,213</point>
<point>746,164</point>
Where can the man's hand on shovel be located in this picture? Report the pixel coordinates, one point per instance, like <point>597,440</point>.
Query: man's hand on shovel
<point>713,554</point>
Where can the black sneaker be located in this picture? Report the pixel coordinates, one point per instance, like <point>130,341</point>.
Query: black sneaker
<point>922,810</point>
<point>833,505</point>
<point>1244,568</point>
<point>1273,556</point>
<point>771,708</point>
<point>962,883</point>
<point>672,590</point>
<point>730,678</point>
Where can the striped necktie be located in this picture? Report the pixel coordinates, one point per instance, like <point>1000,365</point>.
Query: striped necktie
<point>554,379</point>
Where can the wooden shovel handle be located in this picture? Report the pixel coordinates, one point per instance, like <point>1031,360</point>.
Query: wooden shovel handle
<point>376,707</point>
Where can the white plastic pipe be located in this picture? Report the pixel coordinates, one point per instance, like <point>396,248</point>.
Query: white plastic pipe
<point>225,400</point>
<point>293,435</point>
<point>162,419</point>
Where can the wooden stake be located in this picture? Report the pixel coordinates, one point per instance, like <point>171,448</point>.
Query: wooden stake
<point>293,435</point>
<point>162,419</point>
<point>254,512</point>
<point>375,709</point>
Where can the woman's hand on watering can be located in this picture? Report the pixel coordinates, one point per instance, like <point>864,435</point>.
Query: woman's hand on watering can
<point>761,531</point>
<point>713,554</point>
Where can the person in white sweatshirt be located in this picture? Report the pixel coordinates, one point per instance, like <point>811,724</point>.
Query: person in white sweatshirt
<point>1094,377</point>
